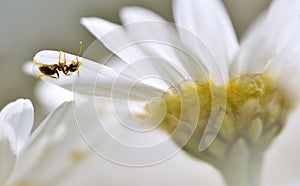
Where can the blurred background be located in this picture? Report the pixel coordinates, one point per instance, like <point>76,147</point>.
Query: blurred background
<point>30,26</point>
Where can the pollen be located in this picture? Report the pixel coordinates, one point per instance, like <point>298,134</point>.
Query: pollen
<point>76,155</point>
<point>255,109</point>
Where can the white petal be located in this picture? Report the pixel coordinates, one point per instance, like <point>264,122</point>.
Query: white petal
<point>210,26</point>
<point>114,37</point>
<point>135,14</point>
<point>105,173</point>
<point>95,79</point>
<point>159,39</point>
<point>141,40</point>
<point>272,42</point>
<point>49,151</point>
<point>44,90</point>
<point>19,115</point>
<point>127,150</point>
<point>59,145</point>
<point>284,154</point>
<point>7,151</point>
<point>27,67</point>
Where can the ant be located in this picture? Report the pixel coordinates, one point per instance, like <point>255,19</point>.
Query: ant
<point>51,70</point>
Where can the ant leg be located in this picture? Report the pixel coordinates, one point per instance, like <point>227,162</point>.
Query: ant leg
<point>60,64</point>
<point>56,68</point>
<point>35,62</point>
<point>66,70</point>
<point>65,59</point>
<point>64,67</point>
<point>56,74</point>
<point>39,76</point>
<point>53,77</point>
<point>71,73</point>
<point>59,57</point>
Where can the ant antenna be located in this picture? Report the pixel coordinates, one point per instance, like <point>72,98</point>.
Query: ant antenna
<point>80,47</point>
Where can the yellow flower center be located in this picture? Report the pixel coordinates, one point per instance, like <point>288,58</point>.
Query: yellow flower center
<point>254,111</point>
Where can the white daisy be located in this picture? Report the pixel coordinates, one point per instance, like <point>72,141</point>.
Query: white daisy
<point>222,101</point>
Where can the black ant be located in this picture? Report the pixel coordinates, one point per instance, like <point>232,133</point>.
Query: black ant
<point>51,70</point>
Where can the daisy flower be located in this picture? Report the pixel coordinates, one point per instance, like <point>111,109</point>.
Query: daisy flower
<point>219,100</point>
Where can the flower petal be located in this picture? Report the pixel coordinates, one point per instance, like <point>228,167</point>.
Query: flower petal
<point>60,145</point>
<point>95,79</point>
<point>114,37</point>
<point>57,94</point>
<point>158,38</point>
<point>7,151</point>
<point>272,43</point>
<point>135,14</point>
<point>19,115</point>
<point>151,38</point>
<point>54,140</point>
<point>209,25</point>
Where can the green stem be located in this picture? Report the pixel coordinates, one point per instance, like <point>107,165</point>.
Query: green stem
<point>243,173</point>
<point>242,167</point>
